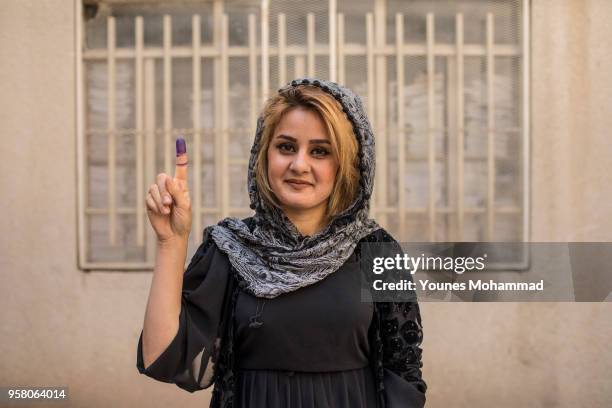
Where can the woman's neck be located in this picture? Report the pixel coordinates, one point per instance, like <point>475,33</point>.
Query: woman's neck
<point>308,222</point>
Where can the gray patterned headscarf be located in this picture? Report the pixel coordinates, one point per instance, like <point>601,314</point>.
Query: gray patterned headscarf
<point>274,257</point>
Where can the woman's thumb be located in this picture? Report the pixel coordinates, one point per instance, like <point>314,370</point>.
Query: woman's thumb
<point>175,188</point>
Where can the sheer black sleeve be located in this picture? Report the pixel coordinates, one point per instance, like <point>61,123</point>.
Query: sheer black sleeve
<point>189,360</point>
<point>401,332</point>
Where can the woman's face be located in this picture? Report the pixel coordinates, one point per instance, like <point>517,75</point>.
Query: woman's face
<point>301,166</point>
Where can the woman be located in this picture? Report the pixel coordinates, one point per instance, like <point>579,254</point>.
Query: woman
<point>270,308</point>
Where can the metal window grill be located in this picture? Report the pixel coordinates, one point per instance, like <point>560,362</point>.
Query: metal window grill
<point>445,85</point>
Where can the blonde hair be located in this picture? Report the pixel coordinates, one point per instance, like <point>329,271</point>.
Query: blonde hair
<point>340,130</point>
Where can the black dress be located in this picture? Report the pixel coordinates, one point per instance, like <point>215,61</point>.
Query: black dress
<point>318,347</point>
<point>312,349</point>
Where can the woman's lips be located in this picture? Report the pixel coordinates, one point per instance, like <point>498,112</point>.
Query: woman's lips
<point>298,186</point>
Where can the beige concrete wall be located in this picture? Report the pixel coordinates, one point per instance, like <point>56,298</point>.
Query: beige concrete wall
<point>61,326</point>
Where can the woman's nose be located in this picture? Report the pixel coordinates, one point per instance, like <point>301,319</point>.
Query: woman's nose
<point>299,163</point>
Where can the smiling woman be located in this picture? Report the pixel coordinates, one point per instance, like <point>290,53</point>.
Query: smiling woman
<point>307,164</point>
<point>301,170</point>
<point>316,344</point>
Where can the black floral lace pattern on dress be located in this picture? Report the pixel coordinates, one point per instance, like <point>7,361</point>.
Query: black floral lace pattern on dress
<point>397,333</point>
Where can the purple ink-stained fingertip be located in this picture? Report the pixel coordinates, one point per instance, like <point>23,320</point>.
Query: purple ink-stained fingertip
<point>181,146</point>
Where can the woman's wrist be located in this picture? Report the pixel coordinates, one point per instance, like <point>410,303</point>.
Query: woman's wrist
<point>176,242</point>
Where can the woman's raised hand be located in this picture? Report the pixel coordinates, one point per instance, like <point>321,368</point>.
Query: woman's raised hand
<point>168,202</point>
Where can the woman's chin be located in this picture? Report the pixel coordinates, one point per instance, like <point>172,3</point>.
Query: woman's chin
<point>295,198</point>
<point>297,205</point>
<point>291,203</point>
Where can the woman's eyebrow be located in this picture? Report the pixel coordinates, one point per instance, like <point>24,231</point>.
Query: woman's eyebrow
<point>312,141</point>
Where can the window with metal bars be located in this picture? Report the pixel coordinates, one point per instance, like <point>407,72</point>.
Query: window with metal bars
<point>445,85</point>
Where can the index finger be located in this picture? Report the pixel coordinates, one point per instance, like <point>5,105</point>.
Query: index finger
<point>180,170</point>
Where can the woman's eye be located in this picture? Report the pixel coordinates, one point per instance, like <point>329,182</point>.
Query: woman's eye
<point>286,147</point>
<point>319,151</point>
